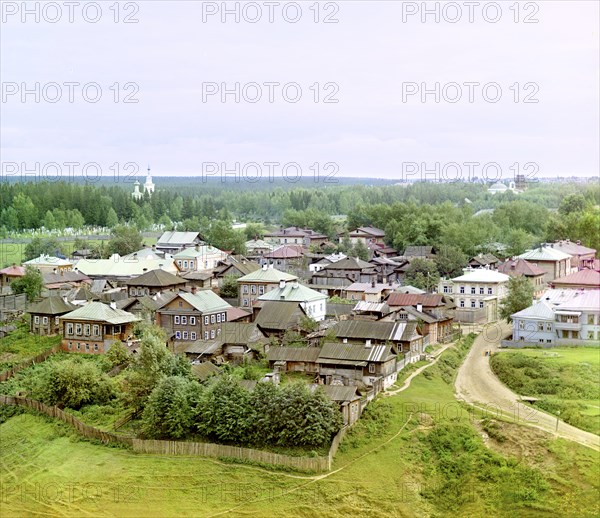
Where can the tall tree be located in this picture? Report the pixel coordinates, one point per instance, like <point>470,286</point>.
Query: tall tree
<point>125,240</point>
<point>31,284</point>
<point>422,274</point>
<point>520,296</point>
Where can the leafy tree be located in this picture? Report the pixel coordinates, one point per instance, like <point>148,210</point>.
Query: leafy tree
<point>345,246</point>
<point>38,246</point>
<point>117,354</point>
<point>72,383</point>
<point>225,413</point>
<point>361,251</point>
<point>517,242</point>
<point>308,324</point>
<point>572,203</point>
<point>450,261</point>
<point>31,284</point>
<point>520,296</point>
<point>254,230</point>
<point>112,220</point>
<point>229,288</point>
<point>169,412</point>
<point>124,240</point>
<point>422,274</point>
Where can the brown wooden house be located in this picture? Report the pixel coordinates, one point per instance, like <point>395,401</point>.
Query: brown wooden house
<point>94,327</point>
<point>45,315</point>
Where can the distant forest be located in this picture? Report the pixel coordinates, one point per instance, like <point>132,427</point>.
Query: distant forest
<point>438,214</point>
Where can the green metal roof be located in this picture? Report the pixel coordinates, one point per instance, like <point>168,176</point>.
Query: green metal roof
<point>267,275</point>
<point>293,292</point>
<point>205,301</point>
<point>99,312</point>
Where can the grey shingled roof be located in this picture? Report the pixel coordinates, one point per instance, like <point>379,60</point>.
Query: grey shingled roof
<point>294,354</point>
<point>52,306</point>
<point>155,278</point>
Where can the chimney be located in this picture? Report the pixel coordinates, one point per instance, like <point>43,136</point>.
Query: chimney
<point>420,308</point>
<point>135,255</point>
<point>372,284</point>
<point>368,344</point>
<point>345,340</point>
<point>113,305</point>
<point>265,267</point>
<point>271,266</point>
<point>194,289</point>
<point>295,285</point>
<point>281,284</point>
<point>153,248</point>
<point>197,247</point>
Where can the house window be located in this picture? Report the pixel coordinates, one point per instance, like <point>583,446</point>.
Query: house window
<point>185,264</point>
<point>206,320</point>
<point>548,326</point>
<point>95,347</point>
<point>184,320</point>
<point>245,288</point>
<point>212,333</point>
<point>521,325</point>
<point>206,335</point>
<point>69,329</point>
<point>548,341</point>
<point>56,320</point>
<point>212,319</point>
<point>179,263</point>
<point>591,320</point>
<point>185,335</point>
<point>446,289</point>
<point>541,340</point>
<point>78,346</point>
<point>70,345</point>
<point>44,320</point>
<point>462,303</point>
<point>371,368</point>
<point>176,319</point>
<point>87,347</point>
<point>462,289</point>
<point>590,335</point>
<point>86,329</point>
<point>193,335</point>
<point>490,291</point>
<point>78,328</point>
<point>96,329</point>
<point>36,320</point>
<point>540,326</point>
<point>481,303</point>
<point>261,290</point>
<point>472,290</point>
<point>178,334</point>
<point>192,264</point>
<point>192,321</point>
<point>219,318</point>
<point>245,303</point>
<point>253,289</point>
<point>481,291</point>
<point>473,304</point>
<point>180,304</point>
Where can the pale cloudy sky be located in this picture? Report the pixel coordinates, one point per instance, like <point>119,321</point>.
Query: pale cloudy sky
<point>366,60</point>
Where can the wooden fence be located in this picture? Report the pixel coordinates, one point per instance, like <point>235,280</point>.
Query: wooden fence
<point>15,302</point>
<point>84,429</point>
<point>28,363</point>
<point>205,449</point>
<point>151,446</point>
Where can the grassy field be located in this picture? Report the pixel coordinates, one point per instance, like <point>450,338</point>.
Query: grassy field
<point>565,380</point>
<point>418,453</point>
<point>19,346</point>
<point>14,252</point>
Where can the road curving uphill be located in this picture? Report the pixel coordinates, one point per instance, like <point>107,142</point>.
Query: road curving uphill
<point>478,385</point>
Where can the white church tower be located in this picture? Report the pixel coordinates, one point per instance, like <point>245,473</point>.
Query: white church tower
<point>148,187</point>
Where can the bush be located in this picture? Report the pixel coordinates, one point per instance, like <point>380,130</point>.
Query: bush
<point>72,383</point>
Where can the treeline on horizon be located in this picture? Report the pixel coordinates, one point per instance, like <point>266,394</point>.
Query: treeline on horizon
<point>435,214</point>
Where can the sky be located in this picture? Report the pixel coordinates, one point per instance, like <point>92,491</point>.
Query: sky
<point>517,89</point>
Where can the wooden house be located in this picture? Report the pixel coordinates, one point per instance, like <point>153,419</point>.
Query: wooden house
<point>45,315</point>
<point>153,282</point>
<point>94,327</point>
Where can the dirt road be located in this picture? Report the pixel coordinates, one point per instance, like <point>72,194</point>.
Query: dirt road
<point>477,384</point>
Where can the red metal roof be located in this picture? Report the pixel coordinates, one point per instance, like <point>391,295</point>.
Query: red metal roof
<point>15,271</point>
<point>410,299</point>
<point>520,267</point>
<point>587,277</point>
